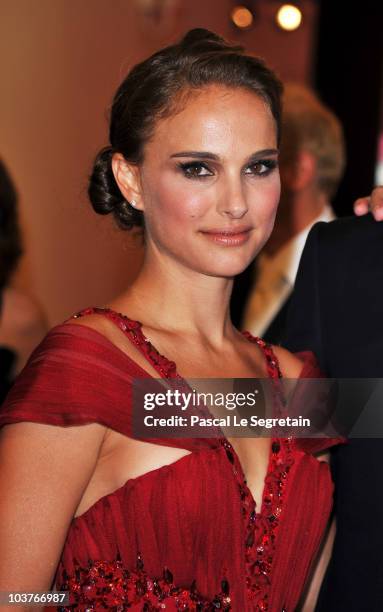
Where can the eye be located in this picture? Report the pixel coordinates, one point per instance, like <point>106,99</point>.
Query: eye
<point>195,169</point>
<point>262,167</point>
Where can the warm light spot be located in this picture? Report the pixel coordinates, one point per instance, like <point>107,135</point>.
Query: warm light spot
<point>289,17</point>
<point>242,17</point>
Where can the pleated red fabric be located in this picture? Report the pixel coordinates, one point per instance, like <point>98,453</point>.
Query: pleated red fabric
<point>186,536</point>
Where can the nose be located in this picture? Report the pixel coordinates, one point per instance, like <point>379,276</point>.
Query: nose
<point>232,202</point>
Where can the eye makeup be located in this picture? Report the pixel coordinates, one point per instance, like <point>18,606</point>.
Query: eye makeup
<point>195,170</point>
<point>200,170</point>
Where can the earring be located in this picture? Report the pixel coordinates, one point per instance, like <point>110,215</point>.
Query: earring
<point>133,203</point>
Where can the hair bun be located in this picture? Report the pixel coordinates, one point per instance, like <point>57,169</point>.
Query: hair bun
<point>102,192</point>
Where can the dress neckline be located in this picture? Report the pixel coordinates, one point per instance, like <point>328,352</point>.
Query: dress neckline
<point>168,369</point>
<point>164,366</point>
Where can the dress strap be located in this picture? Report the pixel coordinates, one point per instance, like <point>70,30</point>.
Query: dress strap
<point>272,363</point>
<point>133,330</point>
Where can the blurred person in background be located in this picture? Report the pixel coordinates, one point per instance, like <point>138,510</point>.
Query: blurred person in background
<point>312,160</point>
<point>22,323</point>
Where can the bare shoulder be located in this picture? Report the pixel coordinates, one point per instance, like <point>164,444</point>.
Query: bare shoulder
<point>291,366</point>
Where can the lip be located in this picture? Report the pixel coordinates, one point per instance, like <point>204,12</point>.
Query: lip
<point>228,237</point>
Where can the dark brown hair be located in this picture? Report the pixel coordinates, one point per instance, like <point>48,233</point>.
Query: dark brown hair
<point>152,90</point>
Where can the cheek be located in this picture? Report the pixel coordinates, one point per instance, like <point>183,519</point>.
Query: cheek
<point>178,202</point>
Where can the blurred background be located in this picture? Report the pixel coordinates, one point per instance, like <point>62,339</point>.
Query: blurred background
<point>61,61</point>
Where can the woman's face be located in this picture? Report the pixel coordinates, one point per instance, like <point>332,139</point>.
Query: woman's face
<point>209,181</point>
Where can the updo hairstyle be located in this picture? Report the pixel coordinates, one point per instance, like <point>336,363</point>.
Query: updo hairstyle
<point>153,90</point>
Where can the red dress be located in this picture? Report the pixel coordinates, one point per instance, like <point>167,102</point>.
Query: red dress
<point>185,536</point>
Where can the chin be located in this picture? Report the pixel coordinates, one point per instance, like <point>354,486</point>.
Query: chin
<point>224,264</point>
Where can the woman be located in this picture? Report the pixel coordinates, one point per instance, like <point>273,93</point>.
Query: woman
<point>194,524</point>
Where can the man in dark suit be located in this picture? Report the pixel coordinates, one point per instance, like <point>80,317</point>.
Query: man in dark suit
<point>336,311</point>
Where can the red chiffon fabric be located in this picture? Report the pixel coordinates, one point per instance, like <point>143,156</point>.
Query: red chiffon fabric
<point>186,536</point>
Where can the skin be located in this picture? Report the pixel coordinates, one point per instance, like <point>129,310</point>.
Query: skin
<point>182,298</point>
<point>372,203</point>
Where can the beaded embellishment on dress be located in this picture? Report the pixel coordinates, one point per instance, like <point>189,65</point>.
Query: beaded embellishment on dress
<point>109,586</point>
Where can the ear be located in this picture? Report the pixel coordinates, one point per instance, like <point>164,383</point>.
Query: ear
<point>305,170</point>
<point>127,176</point>
<point>299,172</point>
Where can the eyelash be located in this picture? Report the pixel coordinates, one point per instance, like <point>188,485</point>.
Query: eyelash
<point>270,165</point>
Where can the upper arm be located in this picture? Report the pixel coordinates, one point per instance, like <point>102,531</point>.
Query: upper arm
<point>44,470</point>
<point>303,322</point>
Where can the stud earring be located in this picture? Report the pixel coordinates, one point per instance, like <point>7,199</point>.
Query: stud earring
<point>133,203</point>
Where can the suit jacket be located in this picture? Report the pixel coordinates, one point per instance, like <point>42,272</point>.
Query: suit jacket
<point>336,311</point>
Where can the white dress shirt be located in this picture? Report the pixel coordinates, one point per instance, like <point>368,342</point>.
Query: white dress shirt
<point>275,278</point>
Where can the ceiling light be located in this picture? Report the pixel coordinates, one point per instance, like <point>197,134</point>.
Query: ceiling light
<point>242,17</point>
<point>289,17</point>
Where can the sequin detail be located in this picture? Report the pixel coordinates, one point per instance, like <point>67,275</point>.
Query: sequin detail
<point>261,528</point>
<point>109,586</point>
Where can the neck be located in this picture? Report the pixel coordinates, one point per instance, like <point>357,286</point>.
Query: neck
<point>297,211</point>
<point>174,298</point>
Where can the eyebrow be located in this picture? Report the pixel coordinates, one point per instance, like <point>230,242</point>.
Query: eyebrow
<point>213,156</point>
